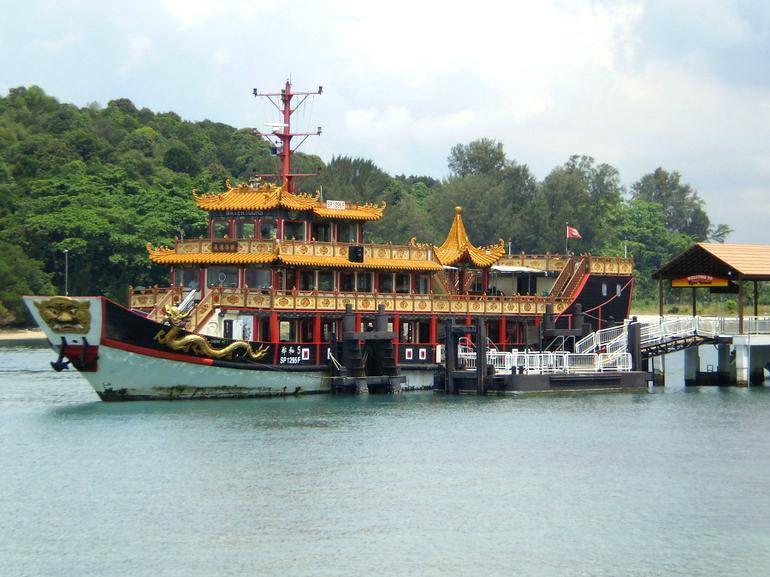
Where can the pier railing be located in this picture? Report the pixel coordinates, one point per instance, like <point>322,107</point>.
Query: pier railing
<point>526,362</point>
<point>664,329</point>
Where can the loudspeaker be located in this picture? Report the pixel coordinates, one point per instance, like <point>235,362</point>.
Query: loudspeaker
<point>356,254</point>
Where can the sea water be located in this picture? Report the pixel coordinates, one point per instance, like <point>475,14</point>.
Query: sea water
<point>672,482</point>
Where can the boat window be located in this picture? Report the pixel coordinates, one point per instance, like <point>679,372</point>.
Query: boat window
<point>325,280</point>
<point>347,281</point>
<point>307,280</point>
<point>226,276</point>
<point>244,229</point>
<point>618,289</point>
<point>385,282</point>
<point>288,331</point>
<point>604,289</point>
<point>287,279</point>
<point>221,229</point>
<point>322,231</point>
<point>347,232</point>
<point>402,282</point>
<point>293,230</point>
<point>187,276</point>
<point>305,330</point>
<point>267,228</point>
<point>421,284</point>
<point>259,278</point>
<point>407,332</point>
<point>364,282</point>
<point>423,332</point>
<point>327,328</point>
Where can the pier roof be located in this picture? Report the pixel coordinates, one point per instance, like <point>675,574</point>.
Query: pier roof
<point>745,261</point>
<point>458,248</point>
<point>267,196</point>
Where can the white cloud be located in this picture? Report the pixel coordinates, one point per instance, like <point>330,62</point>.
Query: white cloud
<point>137,50</point>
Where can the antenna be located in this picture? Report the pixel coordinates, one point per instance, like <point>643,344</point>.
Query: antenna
<point>281,131</point>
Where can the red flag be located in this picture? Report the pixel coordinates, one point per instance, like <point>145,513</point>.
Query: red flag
<point>573,233</point>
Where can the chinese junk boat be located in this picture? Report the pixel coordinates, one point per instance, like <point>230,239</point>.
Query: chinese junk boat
<point>284,296</point>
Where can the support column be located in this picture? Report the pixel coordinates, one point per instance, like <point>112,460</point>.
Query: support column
<point>724,370</point>
<point>503,336</point>
<point>634,345</point>
<point>691,366</point>
<point>741,363</point>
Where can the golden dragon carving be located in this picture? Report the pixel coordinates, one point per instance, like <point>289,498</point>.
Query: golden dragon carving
<point>173,338</point>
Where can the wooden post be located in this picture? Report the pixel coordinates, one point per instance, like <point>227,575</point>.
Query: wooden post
<point>660,296</point>
<point>740,304</point>
<point>756,303</point>
<point>481,357</point>
<point>694,305</point>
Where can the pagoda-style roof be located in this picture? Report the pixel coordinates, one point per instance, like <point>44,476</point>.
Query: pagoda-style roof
<point>266,196</point>
<point>457,247</point>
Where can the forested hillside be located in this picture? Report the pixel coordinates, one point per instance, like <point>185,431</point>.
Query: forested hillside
<point>101,182</point>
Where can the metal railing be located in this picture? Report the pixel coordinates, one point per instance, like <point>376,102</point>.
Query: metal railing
<point>549,362</point>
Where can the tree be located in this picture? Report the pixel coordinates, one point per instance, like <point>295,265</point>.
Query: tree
<point>482,156</point>
<point>681,204</point>
<point>639,229</point>
<point>21,275</point>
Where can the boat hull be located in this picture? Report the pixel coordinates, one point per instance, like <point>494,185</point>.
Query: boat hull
<point>121,355</point>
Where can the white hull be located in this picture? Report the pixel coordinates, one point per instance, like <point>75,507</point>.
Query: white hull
<point>124,375</point>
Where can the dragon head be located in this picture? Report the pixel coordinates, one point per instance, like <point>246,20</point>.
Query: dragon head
<point>175,316</point>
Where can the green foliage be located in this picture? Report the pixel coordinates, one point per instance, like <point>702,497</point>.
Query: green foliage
<point>102,182</point>
<point>21,276</point>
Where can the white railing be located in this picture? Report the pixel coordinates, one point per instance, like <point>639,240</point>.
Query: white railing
<point>605,350</point>
<point>599,339</point>
<point>549,362</point>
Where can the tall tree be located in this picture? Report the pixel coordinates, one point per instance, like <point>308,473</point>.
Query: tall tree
<point>482,156</point>
<point>681,204</point>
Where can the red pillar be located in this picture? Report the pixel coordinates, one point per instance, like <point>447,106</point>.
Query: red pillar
<point>503,336</point>
<point>432,330</point>
<point>358,322</point>
<point>317,337</point>
<point>275,334</point>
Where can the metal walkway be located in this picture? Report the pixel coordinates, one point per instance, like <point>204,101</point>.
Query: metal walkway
<point>669,334</point>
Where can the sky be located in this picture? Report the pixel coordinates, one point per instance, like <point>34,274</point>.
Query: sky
<point>680,84</point>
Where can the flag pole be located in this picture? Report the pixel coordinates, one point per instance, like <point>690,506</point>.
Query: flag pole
<point>566,238</point>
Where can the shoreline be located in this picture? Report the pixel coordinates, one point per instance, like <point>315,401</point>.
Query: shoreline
<point>19,335</point>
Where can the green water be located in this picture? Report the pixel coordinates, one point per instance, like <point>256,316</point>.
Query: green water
<point>675,482</point>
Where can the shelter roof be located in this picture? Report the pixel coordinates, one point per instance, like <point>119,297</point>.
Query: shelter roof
<point>266,196</point>
<point>458,248</point>
<point>749,261</point>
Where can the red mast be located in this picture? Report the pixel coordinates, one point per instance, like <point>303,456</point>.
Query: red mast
<point>283,134</point>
